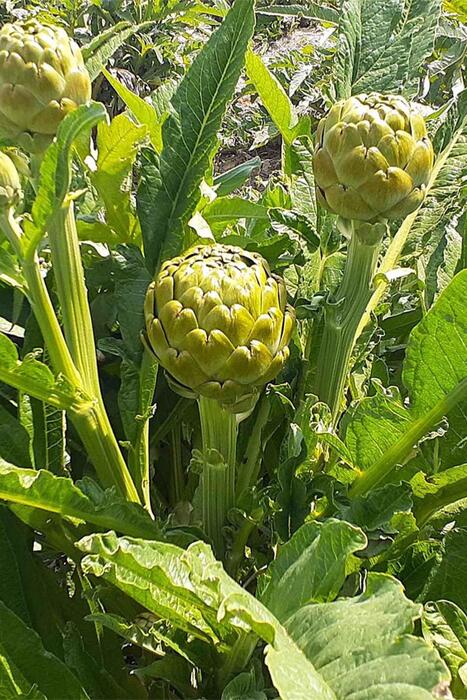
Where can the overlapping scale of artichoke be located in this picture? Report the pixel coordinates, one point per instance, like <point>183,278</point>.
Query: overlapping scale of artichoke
<point>218,322</point>
<point>42,78</point>
<point>372,159</point>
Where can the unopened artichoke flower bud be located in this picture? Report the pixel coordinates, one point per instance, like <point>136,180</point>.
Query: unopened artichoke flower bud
<point>219,323</point>
<point>42,79</point>
<point>372,159</point>
<point>10,185</point>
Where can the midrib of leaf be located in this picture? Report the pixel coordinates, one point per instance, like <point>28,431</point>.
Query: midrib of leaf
<point>76,513</point>
<point>204,123</point>
<point>48,394</point>
<point>398,452</point>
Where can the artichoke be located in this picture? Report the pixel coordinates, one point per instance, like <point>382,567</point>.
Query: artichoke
<point>372,158</point>
<point>42,78</point>
<point>218,322</point>
<point>10,185</point>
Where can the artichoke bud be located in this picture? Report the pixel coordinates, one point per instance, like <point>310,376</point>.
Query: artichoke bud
<point>10,185</point>
<point>42,79</point>
<point>373,158</point>
<point>218,322</point>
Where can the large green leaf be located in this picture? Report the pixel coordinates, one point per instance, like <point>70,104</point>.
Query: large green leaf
<point>445,626</point>
<point>447,577</point>
<point>435,373</point>
<point>310,567</point>
<point>360,648</point>
<point>436,356</point>
<point>169,188</point>
<point>434,492</point>
<point>383,43</point>
<point>350,648</point>
<point>25,584</point>
<point>14,439</point>
<point>273,96</point>
<point>27,667</point>
<point>56,494</point>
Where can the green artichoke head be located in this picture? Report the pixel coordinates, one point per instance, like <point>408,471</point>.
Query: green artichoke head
<point>10,185</point>
<point>42,78</point>
<point>372,159</point>
<point>218,322</point>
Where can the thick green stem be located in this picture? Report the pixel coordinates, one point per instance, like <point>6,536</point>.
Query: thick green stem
<point>95,431</point>
<point>401,449</point>
<point>342,318</point>
<point>89,416</point>
<point>219,435</point>
<point>73,296</point>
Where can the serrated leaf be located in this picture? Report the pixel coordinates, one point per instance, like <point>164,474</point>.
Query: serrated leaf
<point>169,190</point>
<point>436,356</point>
<point>435,373</point>
<point>382,44</point>
<point>14,439</point>
<point>228,210</point>
<point>117,145</point>
<point>143,111</point>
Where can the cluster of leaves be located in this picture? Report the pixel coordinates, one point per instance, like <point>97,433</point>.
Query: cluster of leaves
<point>99,599</point>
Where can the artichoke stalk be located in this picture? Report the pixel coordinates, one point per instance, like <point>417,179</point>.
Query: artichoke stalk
<point>372,164</point>
<point>218,322</point>
<point>42,79</point>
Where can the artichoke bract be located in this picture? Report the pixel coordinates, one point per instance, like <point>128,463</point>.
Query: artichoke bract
<point>42,79</point>
<point>372,159</point>
<point>218,322</point>
<point>10,185</point>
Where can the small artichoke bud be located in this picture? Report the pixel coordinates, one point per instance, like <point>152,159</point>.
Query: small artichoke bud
<point>373,158</point>
<point>42,78</point>
<point>218,322</point>
<point>10,185</point>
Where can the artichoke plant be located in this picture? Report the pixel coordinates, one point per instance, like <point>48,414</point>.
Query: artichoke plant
<point>42,78</point>
<point>218,322</point>
<point>373,158</point>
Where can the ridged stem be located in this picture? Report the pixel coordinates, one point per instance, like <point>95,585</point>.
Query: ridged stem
<point>219,433</point>
<point>88,415</point>
<point>342,317</point>
<point>73,296</point>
